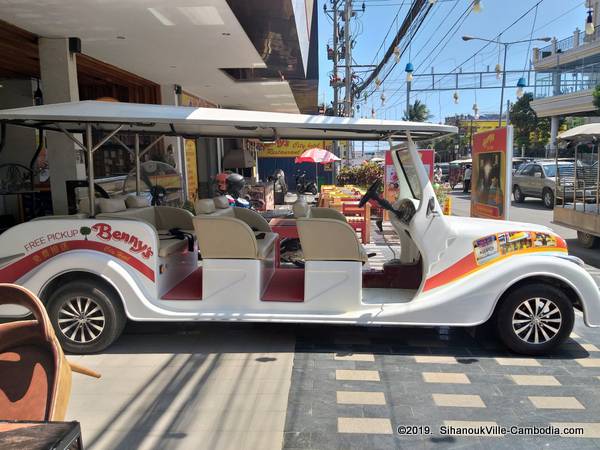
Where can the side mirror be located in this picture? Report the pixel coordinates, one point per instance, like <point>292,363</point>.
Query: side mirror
<point>538,175</point>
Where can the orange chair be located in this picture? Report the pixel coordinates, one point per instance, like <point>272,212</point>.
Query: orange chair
<point>357,218</point>
<point>35,376</point>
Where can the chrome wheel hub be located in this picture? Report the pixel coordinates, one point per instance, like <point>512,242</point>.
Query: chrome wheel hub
<point>537,320</point>
<point>81,320</point>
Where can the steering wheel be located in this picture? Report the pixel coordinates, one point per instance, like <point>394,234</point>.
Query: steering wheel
<point>406,211</point>
<point>371,193</point>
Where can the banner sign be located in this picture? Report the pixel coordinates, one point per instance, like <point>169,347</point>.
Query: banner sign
<point>289,148</point>
<point>491,175</point>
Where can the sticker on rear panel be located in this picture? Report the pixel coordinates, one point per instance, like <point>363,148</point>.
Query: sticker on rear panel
<point>486,249</point>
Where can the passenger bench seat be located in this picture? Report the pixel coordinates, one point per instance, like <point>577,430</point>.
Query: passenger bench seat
<point>329,240</point>
<point>223,237</point>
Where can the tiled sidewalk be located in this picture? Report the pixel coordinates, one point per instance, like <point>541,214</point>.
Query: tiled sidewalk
<point>195,386</point>
<point>352,388</point>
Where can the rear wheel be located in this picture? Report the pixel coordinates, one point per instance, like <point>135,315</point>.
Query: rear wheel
<point>587,240</point>
<point>533,319</point>
<point>548,198</point>
<point>518,195</point>
<point>86,315</point>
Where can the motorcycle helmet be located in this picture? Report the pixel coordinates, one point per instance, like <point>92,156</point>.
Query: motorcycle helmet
<point>235,184</point>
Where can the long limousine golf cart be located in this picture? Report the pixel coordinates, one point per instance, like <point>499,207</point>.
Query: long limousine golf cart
<point>94,272</point>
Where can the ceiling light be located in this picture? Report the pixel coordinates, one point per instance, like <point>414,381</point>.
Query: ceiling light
<point>589,23</point>
<point>161,17</point>
<point>522,83</point>
<point>202,15</point>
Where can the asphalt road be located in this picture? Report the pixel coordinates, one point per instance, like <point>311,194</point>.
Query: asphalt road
<point>533,211</point>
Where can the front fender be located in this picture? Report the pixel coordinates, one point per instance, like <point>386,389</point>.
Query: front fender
<point>471,300</point>
<point>569,271</point>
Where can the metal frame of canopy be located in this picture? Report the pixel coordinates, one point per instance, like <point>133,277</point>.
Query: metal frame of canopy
<point>112,118</point>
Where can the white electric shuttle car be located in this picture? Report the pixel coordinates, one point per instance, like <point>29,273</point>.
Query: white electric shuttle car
<point>94,271</point>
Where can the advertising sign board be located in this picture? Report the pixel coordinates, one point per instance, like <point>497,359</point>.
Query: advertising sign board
<point>491,173</point>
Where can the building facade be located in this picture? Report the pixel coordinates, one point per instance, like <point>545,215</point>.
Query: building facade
<point>241,54</point>
<point>567,72</point>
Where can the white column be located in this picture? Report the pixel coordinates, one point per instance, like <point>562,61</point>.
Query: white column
<point>168,97</point>
<point>59,84</point>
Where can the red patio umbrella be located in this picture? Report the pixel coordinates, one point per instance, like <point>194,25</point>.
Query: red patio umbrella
<point>317,156</point>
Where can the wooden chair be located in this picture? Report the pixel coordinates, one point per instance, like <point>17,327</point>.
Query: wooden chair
<point>35,376</point>
<point>358,218</point>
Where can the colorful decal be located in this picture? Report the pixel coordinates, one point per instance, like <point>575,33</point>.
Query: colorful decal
<point>503,244</point>
<point>494,248</point>
<point>94,237</point>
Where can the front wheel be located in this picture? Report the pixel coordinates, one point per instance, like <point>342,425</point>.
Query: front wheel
<point>534,319</point>
<point>86,316</point>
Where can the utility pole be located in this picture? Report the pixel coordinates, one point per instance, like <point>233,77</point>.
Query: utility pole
<point>348,112</point>
<point>348,58</point>
<point>503,86</point>
<point>335,61</point>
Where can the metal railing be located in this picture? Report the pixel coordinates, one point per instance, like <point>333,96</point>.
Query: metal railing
<point>577,39</point>
<point>551,83</point>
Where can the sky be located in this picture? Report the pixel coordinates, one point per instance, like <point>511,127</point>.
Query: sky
<point>554,18</point>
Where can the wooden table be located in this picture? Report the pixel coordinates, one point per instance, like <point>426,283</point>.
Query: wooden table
<point>18,435</point>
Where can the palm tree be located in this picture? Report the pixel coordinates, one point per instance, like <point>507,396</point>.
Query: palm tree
<point>417,112</point>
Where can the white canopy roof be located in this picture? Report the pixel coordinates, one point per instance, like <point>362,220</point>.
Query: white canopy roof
<point>581,133</point>
<point>209,122</point>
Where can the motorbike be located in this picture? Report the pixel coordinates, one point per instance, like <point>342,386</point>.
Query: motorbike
<point>305,186</point>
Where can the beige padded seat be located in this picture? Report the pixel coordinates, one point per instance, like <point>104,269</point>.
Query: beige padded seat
<point>219,207</point>
<point>329,240</point>
<point>222,237</point>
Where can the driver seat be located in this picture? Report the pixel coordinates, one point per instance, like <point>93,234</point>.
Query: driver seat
<point>325,239</point>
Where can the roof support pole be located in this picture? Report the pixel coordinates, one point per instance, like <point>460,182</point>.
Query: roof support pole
<point>90,164</point>
<point>137,163</point>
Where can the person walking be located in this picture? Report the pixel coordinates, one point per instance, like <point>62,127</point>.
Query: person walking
<point>467,179</point>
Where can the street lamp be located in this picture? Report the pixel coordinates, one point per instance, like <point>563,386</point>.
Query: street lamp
<point>505,44</point>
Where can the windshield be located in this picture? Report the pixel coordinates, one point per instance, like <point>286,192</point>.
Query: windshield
<point>409,180</point>
<point>550,169</point>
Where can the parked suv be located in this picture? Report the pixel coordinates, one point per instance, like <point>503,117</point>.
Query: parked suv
<point>538,179</point>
